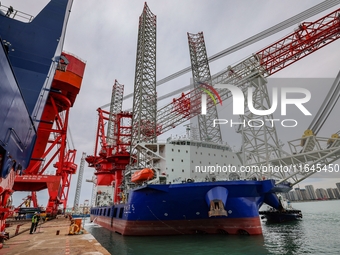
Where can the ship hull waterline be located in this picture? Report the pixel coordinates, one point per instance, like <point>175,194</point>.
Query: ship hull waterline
<point>177,209</point>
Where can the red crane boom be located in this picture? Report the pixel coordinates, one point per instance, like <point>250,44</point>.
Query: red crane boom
<point>306,39</point>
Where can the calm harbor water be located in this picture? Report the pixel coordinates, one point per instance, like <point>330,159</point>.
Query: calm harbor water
<point>317,233</point>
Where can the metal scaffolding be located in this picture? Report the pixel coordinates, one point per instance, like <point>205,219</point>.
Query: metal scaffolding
<point>201,75</point>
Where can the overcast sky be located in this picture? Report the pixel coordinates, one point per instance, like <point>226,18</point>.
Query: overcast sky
<point>104,34</point>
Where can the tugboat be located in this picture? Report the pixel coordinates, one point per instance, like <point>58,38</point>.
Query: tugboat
<point>285,214</point>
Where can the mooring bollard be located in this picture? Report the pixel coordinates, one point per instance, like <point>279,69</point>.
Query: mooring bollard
<point>57,232</point>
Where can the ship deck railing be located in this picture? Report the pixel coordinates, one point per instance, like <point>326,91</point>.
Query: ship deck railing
<point>10,12</point>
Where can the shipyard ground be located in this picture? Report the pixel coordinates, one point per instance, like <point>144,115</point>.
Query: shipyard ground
<point>47,240</point>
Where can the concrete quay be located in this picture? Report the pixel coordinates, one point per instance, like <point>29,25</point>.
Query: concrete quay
<point>50,238</point>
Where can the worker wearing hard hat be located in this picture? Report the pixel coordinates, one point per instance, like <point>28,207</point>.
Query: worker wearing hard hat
<point>35,222</point>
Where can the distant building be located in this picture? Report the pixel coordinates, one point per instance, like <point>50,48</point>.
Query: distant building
<point>336,193</point>
<point>330,193</point>
<point>304,194</point>
<point>298,193</point>
<point>338,186</point>
<point>292,196</point>
<point>311,192</point>
<point>321,194</point>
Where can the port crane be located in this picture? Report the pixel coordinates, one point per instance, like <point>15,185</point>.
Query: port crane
<point>53,146</point>
<point>43,84</point>
<point>111,154</point>
<point>147,123</point>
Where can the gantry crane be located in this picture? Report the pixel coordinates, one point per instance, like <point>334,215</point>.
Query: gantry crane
<point>52,146</point>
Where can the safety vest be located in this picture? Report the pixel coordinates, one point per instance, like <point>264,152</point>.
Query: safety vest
<point>34,219</point>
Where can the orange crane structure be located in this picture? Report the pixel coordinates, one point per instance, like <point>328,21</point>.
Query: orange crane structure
<point>52,144</point>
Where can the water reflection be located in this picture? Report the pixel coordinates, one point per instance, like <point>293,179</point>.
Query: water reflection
<point>316,233</point>
<point>187,244</point>
<point>284,238</point>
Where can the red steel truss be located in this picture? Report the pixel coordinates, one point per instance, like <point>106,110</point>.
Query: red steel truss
<point>308,38</point>
<point>51,147</point>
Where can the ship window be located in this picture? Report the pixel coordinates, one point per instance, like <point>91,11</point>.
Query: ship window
<point>192,161</point>
<point>214,154</point>
<point>172,170</point>
<point>121,212</point>
<point>196,152</point>
<point>187,151</point>
<point>108,212</point>
<point>114,212</point>
<point>104,212</point>
<point>172,159</point>
<point>179,150</point>
<point>182,170</point>
<point>181,160</point>
<point>172,149</point>
<point>188,143</point>
<point>209,154</point>
<point>201,153</point>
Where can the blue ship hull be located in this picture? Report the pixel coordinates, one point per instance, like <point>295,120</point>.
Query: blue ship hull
<point>29,54</point>
<point>190,208</point>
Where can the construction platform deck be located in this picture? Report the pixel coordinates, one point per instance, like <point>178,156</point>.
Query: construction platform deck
<point>46,240</point>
